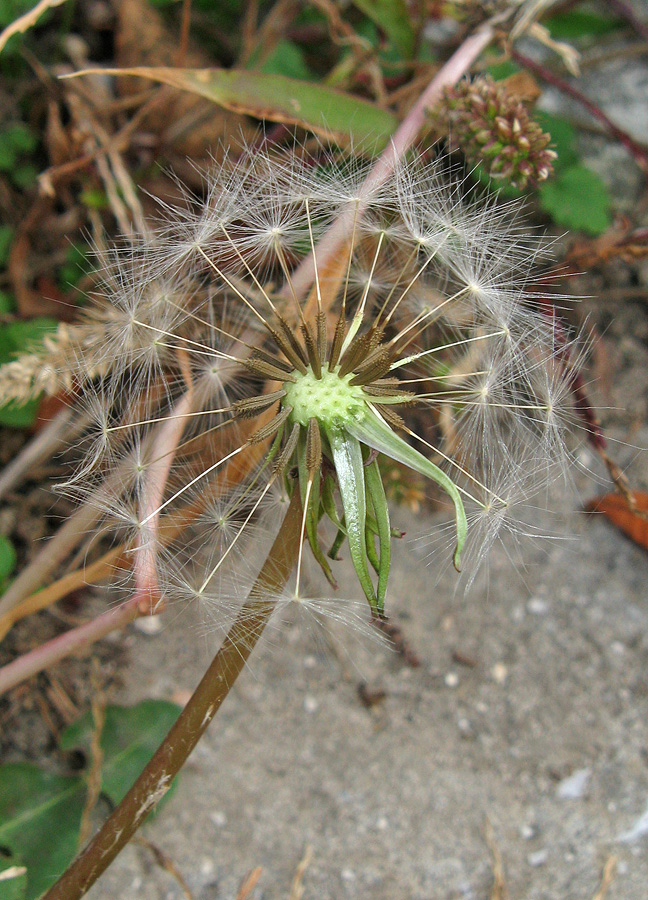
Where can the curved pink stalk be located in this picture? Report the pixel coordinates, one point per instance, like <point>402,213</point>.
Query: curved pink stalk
<point>72,641</point>
<point>163,452</point>
<point>400,143</point>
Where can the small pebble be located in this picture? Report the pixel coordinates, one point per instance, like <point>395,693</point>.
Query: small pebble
<point>574,786</point>
<point>219,818</point>
<point>149,624</point>
<point>310,703</point>
<point>539,858</point>
<point>499,673</point>
<point>382,823</point>
<point>527,832</point>
<point>348,875</point>
<point>451,680</point>
<point>537,606</point>
<point>466,729</point>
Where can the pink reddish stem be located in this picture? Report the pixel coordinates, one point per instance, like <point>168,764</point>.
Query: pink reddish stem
<point>71,642</point>
<point>163,454</point>
<point>400,143</point>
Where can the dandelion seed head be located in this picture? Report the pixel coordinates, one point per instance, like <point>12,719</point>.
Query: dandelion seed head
<point>221,385</point>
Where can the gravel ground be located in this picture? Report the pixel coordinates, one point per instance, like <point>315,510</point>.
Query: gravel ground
<point>528,716</point>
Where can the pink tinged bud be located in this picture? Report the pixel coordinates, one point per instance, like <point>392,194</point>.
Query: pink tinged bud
<point>525,167</point>
<point>503,127</point>
<point>482,137</point>
<point>524,143</point>
<point>542,174</point>
<point>517,128</point>
<point>551,154</point>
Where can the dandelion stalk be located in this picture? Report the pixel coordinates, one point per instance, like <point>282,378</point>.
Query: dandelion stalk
<point>194,719</point>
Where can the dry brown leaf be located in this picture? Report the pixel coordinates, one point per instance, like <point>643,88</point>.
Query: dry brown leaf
<point>629,514</point>
<point>523,86</point>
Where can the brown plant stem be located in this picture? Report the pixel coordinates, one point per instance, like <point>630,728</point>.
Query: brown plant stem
<point>638,152</point>
<point>171,755</point>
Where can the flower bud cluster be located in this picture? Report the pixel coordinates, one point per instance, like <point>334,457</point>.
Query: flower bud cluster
<point>495,129</point>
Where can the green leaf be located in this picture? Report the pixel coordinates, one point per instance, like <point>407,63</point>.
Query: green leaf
<point>374,432</point>
<point>94,199</point>
<point>13,878</point>
<point>19,337</point>
<point>376,493</point>
<point>6,237</point>
<point>392,16</point>
<point>11,9</point>
<point>501,70</point>
<point>577,23</point>
<point>312,511</point>
<point>279,99</point>
<point>40,817</point>
<point>287,59</point>
<point>21,138</point>
<point>563,139</point>
<point>130,737</point>
<point>7,302</point>
<point>13,415</point>
<point>40,813</point>
<point>15,141</point>
<point>7,559</point>
<point>24,176</point>
<point>578,199</point>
